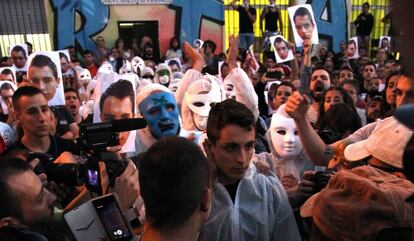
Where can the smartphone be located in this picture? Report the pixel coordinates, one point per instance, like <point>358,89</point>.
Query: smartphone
<point>93,177</point>
<point>114,222</point>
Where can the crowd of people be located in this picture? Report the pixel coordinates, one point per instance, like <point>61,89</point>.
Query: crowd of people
<point>235,145</point>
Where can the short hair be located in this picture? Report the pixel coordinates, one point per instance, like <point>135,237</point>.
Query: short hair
<point>19,48</point>
<point>210,44</point>
<point>279,40</point>
<point>302,12</point>
<point>62,55</point>
<point>352,42</point>
<point>365,4</point>
<point>41,61</point>
<point>67,90</point>
<point>9,203</point>
<point>120,90</point>
<point>6,86</point>
<point>228,112</point>
<point>352,82</point>
<point>321,67</point>
<point>7,71</point>
<point>174,173</point>
<point>369,63</point>
<point>24,91</point>
<point>87,52</point>
<point>274,87</point>
<point>173,62</point>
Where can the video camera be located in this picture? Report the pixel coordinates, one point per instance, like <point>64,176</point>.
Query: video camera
<point>93,141</point>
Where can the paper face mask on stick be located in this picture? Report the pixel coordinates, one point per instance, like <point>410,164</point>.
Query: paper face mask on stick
<point>304,25</point>
<point>281,48</point>
<point>285,137</point>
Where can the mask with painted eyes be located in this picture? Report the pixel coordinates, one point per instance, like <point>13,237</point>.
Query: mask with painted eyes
<point>163,74</point>
<point>161,113</point>
<point>126,68</point>
<point>285,138</point>
<point>137,63</point>
<point>84,76</point>
<point>200,104</point>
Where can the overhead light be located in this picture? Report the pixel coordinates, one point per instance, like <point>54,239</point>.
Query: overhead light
<point>126,24</point>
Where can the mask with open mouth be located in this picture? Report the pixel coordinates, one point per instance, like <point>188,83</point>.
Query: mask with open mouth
<point>161,113</point>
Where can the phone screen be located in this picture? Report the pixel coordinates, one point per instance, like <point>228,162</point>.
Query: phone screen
<point>112,219</point>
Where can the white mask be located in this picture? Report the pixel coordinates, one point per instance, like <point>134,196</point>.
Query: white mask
<point>174,85</point>
<point>136,63</point>
<point>229,89</point>
<point>285,138</point>
<point>164,79</point>
<point>84,76</point>
<point>200,104</point>
<point>200,121</point>
<point>126,68</point>
<point>106,68</point>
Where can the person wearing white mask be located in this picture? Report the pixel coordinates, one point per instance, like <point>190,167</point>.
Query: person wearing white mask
<point>86,83</point>
<point>196,93</point>
<point>138,65</point>
<point>287,158</point>
<point>163,75</point>
<point>177,77</point>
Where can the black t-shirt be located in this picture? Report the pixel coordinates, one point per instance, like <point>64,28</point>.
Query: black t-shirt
<point>57,147</point>
<point>365,23</point>
<point>246,25</point>
<point>63,119</point>
<point>271,19</point>
<point>232,190</point>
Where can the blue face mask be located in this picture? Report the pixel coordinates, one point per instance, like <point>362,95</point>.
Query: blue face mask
<point>161,113</point>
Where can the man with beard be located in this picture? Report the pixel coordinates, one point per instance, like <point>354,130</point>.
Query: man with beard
<point>368,72</point>
<point>297,106</point>
<point>313,82</point>
<point>24,202</point>
<point>157,105</point>
<point>374,109</point>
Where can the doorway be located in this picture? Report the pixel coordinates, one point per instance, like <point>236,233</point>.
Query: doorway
<point>137,30</point>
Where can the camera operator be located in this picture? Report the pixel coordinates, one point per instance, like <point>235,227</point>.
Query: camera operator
<point>24,202</point>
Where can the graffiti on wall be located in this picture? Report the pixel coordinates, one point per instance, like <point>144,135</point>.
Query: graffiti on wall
<point>193,19</point>
<point>332,20</point>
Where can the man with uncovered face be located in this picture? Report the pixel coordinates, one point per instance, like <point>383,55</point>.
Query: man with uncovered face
<point>157,105</point>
